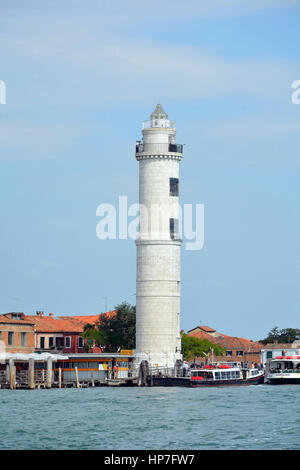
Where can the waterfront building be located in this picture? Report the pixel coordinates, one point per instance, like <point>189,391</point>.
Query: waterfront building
<point>56,335</point>
<point>16,333</point>
<point>158,243</point>
<point>54,352</point>
<point>236,349</point>
<point>96,366</point>
<point>20,333</point>
<point>272,350</point>
<point>46,370</point>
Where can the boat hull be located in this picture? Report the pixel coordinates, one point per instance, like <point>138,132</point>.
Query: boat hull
<point>226,383</point>
<point>169,381</point>
<point>188,382</point>
<point>284,381</point>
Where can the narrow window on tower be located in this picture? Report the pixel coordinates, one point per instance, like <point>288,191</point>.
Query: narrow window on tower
<point>174,229</point>
<point>174,187</point>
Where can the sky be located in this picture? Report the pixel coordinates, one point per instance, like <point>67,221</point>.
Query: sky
<point>81,76</point>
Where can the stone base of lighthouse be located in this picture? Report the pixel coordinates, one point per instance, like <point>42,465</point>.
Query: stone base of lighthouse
<point>165,361</point>
<point>158,303</point>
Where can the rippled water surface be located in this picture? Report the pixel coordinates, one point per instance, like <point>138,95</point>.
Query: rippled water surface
<point>253,417</point>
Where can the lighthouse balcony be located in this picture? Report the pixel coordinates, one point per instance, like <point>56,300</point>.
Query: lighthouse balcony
<point>160,123</point>
<point>161,147</point>
<point>177,148</point>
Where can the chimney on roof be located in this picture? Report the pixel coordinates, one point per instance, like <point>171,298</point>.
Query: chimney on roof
<point>40,313</point>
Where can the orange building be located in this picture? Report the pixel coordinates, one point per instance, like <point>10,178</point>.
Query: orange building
<point>20,333</point>
<point>62,334</point>
<point>16,333</point>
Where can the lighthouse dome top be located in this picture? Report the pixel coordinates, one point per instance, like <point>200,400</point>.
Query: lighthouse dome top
<point>159,113</point>
<point>159,119</point>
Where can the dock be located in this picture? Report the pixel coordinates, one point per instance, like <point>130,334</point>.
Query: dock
<point>46,371</point>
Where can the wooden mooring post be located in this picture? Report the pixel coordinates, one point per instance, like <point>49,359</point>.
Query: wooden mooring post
<point>31,374</point>
<point>49,373</point>
<point>93,382</point>
<point>7,373</point>
<point>59,377</point>
<point>76,374</point>
<point>12,374</point>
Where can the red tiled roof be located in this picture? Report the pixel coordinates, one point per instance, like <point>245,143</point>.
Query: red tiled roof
<point>85,319</point>
<point>207,329</point>
<point>49,324</point>
<point>201,335</point>
<point>63,324</point>
<point>230,342</point>
<point>226,341</point>
<point>4,319</point>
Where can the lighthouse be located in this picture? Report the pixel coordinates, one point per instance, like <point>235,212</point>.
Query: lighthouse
<point>158,243</point>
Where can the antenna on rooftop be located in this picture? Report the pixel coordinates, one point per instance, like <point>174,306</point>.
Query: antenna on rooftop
<point>16,299</point>
<point>105,302</point>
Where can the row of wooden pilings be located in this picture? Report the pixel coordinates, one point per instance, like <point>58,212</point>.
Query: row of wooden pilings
<point>11,374</point>
<point>48,383</point>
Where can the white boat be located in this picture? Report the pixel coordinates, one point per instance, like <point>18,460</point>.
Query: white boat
<point>284,370</point>
<point>225,374</point>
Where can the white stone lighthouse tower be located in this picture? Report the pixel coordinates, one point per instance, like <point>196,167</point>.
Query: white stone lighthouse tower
<point>158,244</point>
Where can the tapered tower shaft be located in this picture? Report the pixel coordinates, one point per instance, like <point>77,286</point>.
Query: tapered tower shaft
<point>159,243</point>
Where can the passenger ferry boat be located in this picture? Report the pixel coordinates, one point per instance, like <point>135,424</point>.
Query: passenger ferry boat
<point>225,374</point>
<point>284,370</point>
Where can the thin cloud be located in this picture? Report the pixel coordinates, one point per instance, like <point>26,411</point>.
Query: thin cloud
<point>35,141</point>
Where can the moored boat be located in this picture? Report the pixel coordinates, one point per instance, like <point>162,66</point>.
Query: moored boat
<point>284,370</point>
<point>225,374</point>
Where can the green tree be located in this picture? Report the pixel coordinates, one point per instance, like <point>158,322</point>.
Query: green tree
<point>192,347</point>
<point>113,331</point>
<point>286,335</point>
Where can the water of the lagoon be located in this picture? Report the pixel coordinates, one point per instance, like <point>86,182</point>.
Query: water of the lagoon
<point>251,417</point>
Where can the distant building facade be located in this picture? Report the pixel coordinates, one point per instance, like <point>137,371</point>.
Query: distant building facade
<point>20,333</point>
<point>273,350</point>
<point>236,349</point>
<point>57,335</point>
<point>16,333</point>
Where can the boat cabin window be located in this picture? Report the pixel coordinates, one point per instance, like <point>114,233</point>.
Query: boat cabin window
<point>204,374</point>
<point>231,374</point>
<point>277,367</point>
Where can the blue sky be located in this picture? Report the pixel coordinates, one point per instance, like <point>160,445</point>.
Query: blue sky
<point>80,77</point>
